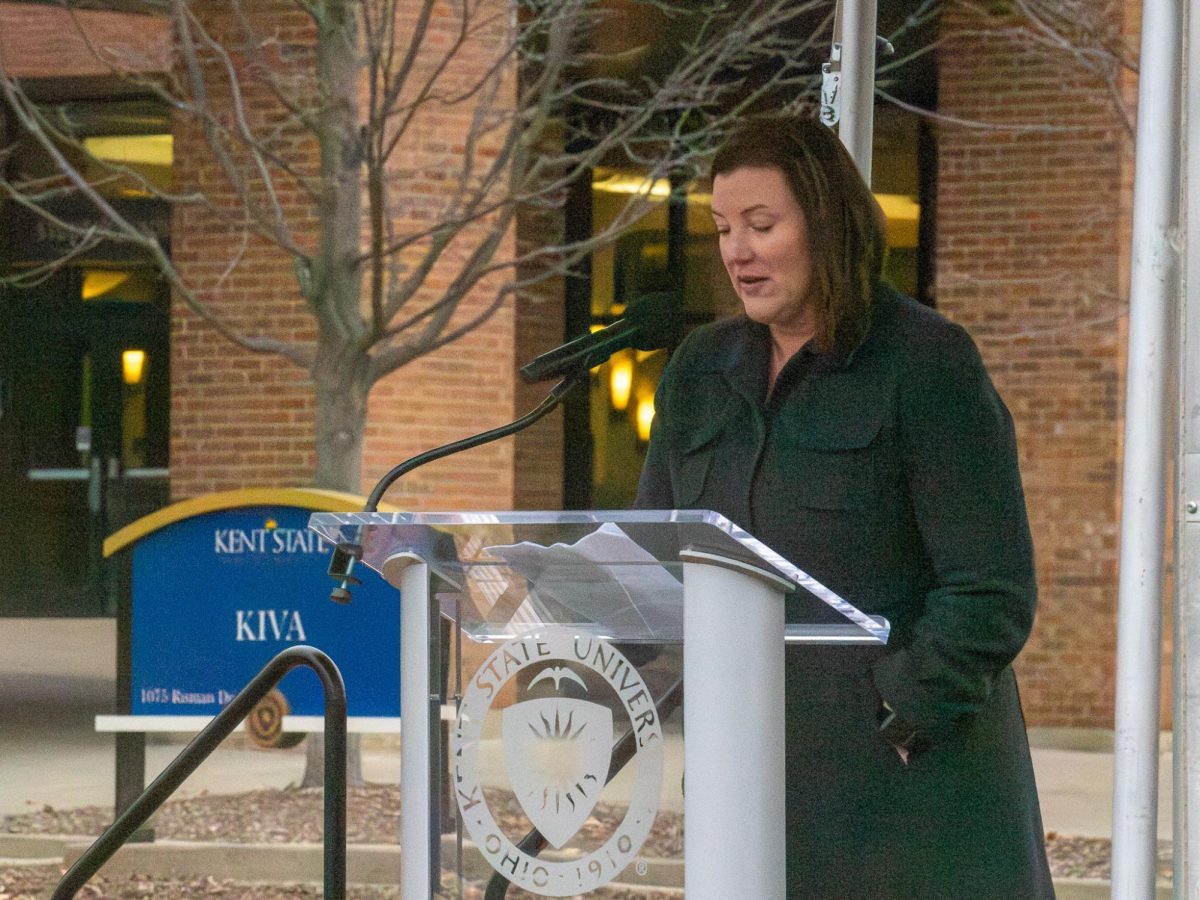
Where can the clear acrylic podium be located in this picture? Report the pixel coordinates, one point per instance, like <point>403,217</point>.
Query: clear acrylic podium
<point>563,776</point>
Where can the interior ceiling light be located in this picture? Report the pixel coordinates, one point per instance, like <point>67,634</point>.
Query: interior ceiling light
<point>902,213</point>
<point>613,182</point>
<point>98,282</point>
<point>900,209</point>
<point>133,149</point>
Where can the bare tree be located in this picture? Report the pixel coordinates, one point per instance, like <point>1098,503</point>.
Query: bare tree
<point>547,89</point>
<point>306,126</point>
<point>310,133</point>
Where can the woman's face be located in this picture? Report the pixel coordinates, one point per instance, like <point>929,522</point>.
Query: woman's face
<point>764,244</point>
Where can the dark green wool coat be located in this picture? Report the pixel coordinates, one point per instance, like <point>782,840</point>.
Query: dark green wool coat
<point>888,472</point>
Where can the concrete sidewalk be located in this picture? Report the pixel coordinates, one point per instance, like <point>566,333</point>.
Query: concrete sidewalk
<point>56,675</point>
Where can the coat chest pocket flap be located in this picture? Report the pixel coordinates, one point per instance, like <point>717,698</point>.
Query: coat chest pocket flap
<point>695,459</point>
<point>831,451</point>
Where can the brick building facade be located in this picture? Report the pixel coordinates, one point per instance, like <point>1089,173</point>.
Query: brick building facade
<point>49,42</point>
<point>240,417</point>
<point>1031,238</point>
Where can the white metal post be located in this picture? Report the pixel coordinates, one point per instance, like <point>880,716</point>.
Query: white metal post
<point>733,722</point>
<point>410,574</point>
<point>858,82</point>
<point>1186,746</point>
<point>1153,286</point>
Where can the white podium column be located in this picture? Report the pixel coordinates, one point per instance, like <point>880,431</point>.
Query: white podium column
<point>732,730</point>
<point>411,575</point>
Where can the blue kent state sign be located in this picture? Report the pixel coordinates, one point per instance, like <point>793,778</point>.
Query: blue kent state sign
<point>217,595</point>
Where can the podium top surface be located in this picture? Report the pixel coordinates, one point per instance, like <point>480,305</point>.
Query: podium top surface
<point>616,572</point>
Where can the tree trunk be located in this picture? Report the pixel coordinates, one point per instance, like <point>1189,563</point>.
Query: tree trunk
<point>340,374</point>
<point>341,419</point>
<point>314,761</point>
<point>341,389</point>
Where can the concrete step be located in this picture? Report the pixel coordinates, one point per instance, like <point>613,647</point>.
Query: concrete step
<point>39,846</point>
<point>365,864</point>
<point>1097,889</point>
<point>11,861</point>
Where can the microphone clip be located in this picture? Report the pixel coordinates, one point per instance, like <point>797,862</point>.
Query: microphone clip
<point>341,565</point>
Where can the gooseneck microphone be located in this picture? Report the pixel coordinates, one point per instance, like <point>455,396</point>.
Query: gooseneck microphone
<point>651,322</point>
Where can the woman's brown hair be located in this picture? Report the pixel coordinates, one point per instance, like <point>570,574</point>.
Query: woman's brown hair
<point>845,224</point>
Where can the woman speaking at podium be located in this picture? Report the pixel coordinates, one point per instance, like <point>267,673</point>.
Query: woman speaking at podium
<point>856,432</point>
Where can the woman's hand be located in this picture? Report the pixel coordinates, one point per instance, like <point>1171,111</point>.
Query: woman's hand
<point>895,731</point>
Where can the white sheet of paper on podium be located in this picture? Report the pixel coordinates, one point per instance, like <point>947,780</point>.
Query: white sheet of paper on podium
<point>604,578</point>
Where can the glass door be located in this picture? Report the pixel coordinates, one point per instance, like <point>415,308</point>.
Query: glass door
<point>83,433</point>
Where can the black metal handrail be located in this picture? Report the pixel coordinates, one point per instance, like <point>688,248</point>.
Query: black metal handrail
<point>207,740</point>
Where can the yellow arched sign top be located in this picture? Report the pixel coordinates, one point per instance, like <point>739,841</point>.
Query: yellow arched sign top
<point>304,498</point>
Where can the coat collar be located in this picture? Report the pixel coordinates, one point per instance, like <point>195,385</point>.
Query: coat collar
<point>744,358</point>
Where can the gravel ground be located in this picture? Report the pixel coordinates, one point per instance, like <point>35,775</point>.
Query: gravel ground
<point>372,817</point>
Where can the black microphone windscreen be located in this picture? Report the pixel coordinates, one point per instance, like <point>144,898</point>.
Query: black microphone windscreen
<point>659,320</point>
<point>650,322</point>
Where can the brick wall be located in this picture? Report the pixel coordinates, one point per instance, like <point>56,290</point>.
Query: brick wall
<point>238,418</point>
<point>242,418</point>
<point>39,41</point>
<point>539,326</point>
<point>1032,227</point>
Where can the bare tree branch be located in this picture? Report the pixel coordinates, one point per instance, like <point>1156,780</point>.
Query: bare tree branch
<point>977,125</point>
<point>1078,34</point>
<point>272,219</point>
<point>320,131</point>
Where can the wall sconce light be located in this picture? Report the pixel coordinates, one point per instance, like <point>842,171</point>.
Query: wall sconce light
<point>98,282</point>
<point>620,381</point>
<point>133,366</point>
<point>645,415</point>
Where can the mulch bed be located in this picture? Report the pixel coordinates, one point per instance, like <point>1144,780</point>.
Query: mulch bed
<point>1085,857</point>
<point>295,816</point>
<point>373,817</point>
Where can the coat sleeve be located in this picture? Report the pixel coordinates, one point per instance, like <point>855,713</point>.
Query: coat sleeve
<point>655,489</point>
<point>654,485</point>
<point>960,458</point>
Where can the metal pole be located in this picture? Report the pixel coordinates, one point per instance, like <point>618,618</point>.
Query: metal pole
<point>415,764</point>
<point>858,82</point>
<point>1143,513</point>
<point>1186,882</point>
<point>733,759</point>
